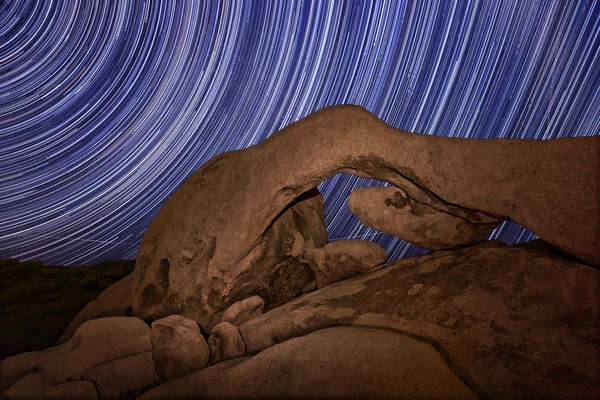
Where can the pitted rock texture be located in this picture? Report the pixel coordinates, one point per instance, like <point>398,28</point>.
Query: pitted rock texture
<point>178,347</point>
<point>344,259</point>
<point>389,210</point>
<point>276,268</point>
<point>512,322</point>
<point>209,244</point>
<point>336,363</point>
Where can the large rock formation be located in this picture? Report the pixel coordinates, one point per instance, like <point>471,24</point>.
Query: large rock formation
<point>276,268</point>
<point>512,322</point>
<point>486,320</point>
<point>217,239</point>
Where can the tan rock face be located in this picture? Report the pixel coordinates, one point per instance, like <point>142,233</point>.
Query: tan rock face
<point>226,343</point>
<point>178,347</point>
<point>240,312</point>
<point>392,211</point>
<point>344,259</point>
<point>275,268</point>
<point>336,363</point>
<point>513,323</point>
<point>114,301</point>
<point>95,342</point>
<point>210,244</point>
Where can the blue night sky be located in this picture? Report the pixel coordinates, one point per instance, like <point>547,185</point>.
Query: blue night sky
<point>106,107</point>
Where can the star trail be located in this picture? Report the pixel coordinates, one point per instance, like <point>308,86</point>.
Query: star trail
<point>106,107</point>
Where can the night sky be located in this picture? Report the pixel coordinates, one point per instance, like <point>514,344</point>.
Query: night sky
<point>106,107</point>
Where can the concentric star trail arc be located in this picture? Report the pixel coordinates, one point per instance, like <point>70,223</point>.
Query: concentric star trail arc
<point>106,107</point>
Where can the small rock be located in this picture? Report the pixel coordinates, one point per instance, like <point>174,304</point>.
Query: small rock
<point>8,262</point>
<point>35,277</point>
<point>49,297</point>
<point>53,271</point>
<point>178,347</point>
<point>226,343</point>
<point>243,311</point>
<point>89,281</point>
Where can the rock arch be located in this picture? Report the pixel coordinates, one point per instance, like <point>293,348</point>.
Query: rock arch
<point>211,231</point>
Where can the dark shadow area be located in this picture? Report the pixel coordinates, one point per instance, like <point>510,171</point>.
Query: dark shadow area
<point>38,302</point>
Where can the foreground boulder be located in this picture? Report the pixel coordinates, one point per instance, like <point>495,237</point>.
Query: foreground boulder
<point>489,321</point>
<point>178,347</point>
<point>336,363</point>
<point>107,356</point>
<point>215,241</point>
<point>511,322</point>
<point>226,343</point>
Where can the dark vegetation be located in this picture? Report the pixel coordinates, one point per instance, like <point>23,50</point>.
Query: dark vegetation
<point>37,302</point>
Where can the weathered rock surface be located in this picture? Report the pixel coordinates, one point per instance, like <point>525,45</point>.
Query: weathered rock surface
<point>209,244</point>
<point>344,259</point>
<point>114,301</point>
<point>505,322</point>
<point>38,302</point>
<point>178,347</point>
<point>225,343</point>
<point>391,210</point>
<point>112,354</point>
<point>33,386</point>
<point>276,270</point>
<point>122,378</point>
<point>513,323</point>
<point>239,312</point>
<point>336,363</point>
